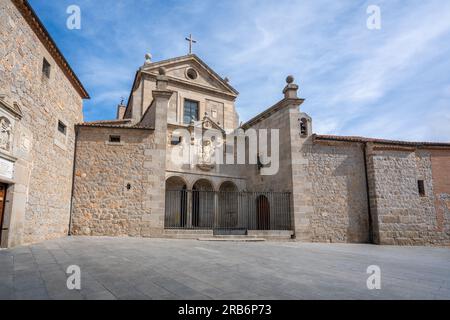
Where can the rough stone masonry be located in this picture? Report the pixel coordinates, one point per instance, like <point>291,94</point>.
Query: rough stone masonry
<point>115,177</point>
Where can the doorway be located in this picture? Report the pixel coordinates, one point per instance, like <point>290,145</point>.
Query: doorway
<point>263,213</point>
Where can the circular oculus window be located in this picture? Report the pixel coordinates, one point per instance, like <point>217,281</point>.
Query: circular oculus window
<point>191,74</point>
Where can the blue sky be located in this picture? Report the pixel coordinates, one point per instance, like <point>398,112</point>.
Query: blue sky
<point>391,83</point>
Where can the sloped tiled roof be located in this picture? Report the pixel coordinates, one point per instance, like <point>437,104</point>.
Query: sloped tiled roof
<point>380,141</point>
<point>122,123</point>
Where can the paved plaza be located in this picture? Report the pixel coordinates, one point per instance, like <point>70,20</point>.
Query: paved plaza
<point>133,268</point>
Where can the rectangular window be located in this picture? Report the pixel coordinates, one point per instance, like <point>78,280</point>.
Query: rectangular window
<point>114,139</point>
<point>46,68</point>
<point>421,186</point>
<point>190,111</point>
<point>62,127</point>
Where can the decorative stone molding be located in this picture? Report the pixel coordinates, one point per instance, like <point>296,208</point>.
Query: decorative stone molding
<point>12,108</point>
<point>5,134</point>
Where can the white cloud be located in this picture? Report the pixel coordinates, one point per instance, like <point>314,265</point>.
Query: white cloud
<point>355,81</point>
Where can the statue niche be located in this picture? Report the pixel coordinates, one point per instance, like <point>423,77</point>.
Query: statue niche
<point>5,134</point>
<point>206,162</point>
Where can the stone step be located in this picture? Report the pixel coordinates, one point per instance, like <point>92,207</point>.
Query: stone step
<point>235,238</point>
<point>187,231</point>
<point>187,234</point>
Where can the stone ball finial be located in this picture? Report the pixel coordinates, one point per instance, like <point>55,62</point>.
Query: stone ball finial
<point>162,71</point>
<point>290,79</point>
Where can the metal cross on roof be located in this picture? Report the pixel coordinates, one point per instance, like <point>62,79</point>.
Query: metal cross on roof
<point>191,41</point>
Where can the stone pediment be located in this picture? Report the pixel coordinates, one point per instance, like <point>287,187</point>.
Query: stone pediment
<point>191,70</point>
<point>11,107</point>
<point>208,123</point>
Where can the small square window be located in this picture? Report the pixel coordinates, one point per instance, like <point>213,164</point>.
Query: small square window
<point>46,68</point>
<point>62,127</point>
<point>421,187</point>
<point>114,139</point>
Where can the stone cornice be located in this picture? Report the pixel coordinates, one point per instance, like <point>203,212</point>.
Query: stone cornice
<point>7,156</point>
<point>162,94</point>
<point>39,29</point>
<point>208,69</point>
<point>193,85</point>
<point>278,106</point>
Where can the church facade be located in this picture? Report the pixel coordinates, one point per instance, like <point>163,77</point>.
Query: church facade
<point>177,162</point>
<point>323,188</point>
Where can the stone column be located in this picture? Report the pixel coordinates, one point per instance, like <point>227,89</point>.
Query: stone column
<point>216,209</point>
<point>189,209</point>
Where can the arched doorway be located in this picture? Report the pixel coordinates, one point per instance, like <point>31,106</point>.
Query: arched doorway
<point>203,204</point>
<point>176,203</point>
<point>263,213</point>
<point>228,205</point>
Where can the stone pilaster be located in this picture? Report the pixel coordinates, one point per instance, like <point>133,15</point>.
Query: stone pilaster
<point>301,206</point>
<point>155,157</point>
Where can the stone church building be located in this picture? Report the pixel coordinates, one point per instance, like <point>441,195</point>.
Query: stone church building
<point>41,100</point>
<point>120,177</point>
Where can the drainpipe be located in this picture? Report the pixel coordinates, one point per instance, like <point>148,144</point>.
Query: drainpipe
<point>73,180</point>
<point>369,211</point>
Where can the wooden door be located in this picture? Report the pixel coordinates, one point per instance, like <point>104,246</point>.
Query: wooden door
<point>263,213</point>
<point>2,206</point>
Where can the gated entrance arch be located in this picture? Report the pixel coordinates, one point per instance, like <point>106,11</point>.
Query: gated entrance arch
<point>226,210</point>
<point>203,204</point>
<point>228,205</point>
<point>176,202</point>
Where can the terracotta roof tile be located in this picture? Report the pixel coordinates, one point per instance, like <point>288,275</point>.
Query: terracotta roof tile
<point>123,124</point>
<point>381,141</point>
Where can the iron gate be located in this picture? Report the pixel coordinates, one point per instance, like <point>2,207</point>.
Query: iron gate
<point>191,209</point>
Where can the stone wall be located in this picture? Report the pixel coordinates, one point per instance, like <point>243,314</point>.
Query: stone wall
<point>119,188</point>
<point>40,191</point>
<point>225,110</point>
<point>191,173</point>
<point>281,181</point>
<point>402,216</point>
<point>339,197</point>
